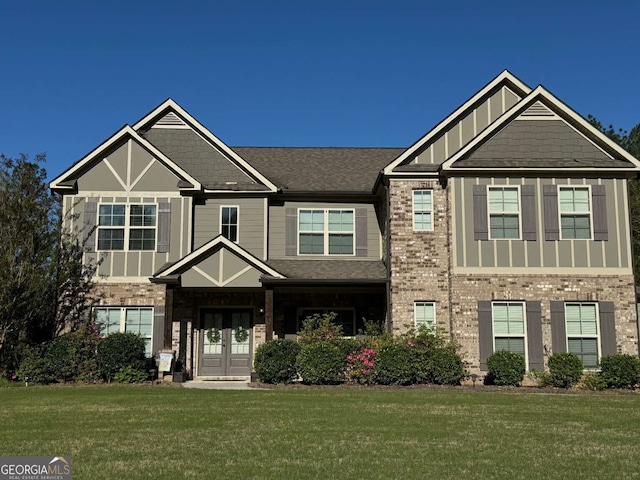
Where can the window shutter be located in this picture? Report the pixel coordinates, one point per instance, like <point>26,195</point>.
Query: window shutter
<point>528,202</point>
<point>534,336</point>
<point>551,226</point>
<point>480,222</point>
<point>90,224</point>
<point>158,329</point>
<point>291,232</point>
<point>607,329</point>
<point>558,329</point>
<point>164,227</point>
<point>599,205</point>
<point>485,332</point>
<point>361,232</point>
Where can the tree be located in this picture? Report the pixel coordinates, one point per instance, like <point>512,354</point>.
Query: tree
<point>630,141</point>
<point>44,286</point>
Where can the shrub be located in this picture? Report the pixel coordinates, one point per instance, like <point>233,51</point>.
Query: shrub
<point>620,371</point>
<point>33,367</point>
<point>129,374</point>
<point>321,363</point>
<point>565,369</point>
<point>592,381</point>
<point>541,377</point>
<point>119,350</point>
<point>396,365</point>
<point>505,368</point>
<point>275,361</point>
<point>319,328</point>
<point>361,366</point>
<point>445,367</point>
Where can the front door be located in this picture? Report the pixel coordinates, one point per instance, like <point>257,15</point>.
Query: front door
<point>225,342</point>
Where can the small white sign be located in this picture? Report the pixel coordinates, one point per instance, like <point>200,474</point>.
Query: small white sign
<point>165,362</point>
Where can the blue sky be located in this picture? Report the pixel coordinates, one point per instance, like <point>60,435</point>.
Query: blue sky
<point>299,73</point>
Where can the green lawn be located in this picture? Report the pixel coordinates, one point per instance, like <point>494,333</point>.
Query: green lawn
<point>131,432</point>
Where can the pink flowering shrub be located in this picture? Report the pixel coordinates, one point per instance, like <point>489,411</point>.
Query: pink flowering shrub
<point>361,366</point>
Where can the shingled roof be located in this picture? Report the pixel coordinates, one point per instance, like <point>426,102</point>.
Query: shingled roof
<point>334,270</point>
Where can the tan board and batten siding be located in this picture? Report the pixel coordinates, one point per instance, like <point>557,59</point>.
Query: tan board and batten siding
<point>251,222</point>
<point>614,253</point>
<point>129,174</point>
<point>278,228</point>
<point>222,269</point>
<point>467,127</point>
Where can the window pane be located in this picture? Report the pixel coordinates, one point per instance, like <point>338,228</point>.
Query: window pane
<point>515,345</point>
<point>140,321</point>
<point>574,200</point>
<point>508,319</point>
<point>422,200</point>
<point>142,215</point>
<point>340,220</point>
<point>111,215</point>
<point>581,319</point>
<point>424,314</point>
<point>111,239</point>
<point>586,349</point>
<point>311,220</point>
<point>108,320</point>
<point>340,244</point>
<point>504,226</point>
<point>311,244</point>
<point>503,200</point>
<point>575,226</point>
<point>142,239</point>
<point>422,221</point>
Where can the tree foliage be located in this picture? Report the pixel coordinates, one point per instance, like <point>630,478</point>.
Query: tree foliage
<point>44,286</point>
<point>630,141</point>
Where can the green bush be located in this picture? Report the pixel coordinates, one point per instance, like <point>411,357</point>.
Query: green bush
<point>541,377</point>
<point>445,367</point>
<point>321,363</point>
<point>319,328</point>
<point>396,365</point>
<point>592,381</point>
<point>119,350</point>
<point>505,368</point>
<point>275,361</point>
<point>565,369</point>
<point>620,371</point>
<point>129,374</point>
<point>33,367</point>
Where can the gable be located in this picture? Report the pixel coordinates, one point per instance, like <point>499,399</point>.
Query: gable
<point>222,268</point>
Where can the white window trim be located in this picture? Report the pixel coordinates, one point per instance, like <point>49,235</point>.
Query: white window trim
<point>596,336</point>
<point>127,226</point>
<point>518,212</point>
<point>524,326</point>
<point>414,210</point>
<point>237,207</point>
<point>590,213</point>
<point>326,232</point>
<point>123,317</point>
<point>415,311</point>
<point>300,310</point>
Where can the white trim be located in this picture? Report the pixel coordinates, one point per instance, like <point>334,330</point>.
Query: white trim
<point>127,226</point>
<point>589,213</point>
<point>525,271</point>
<point>507,335</point>
<point>415,312</point>
<point>504,77</point>
<point>326,232</point>
<point>518,212</point>
<point>237,207</point>
<point>597,334</point>
<point>201,129</point>
<point>414,211</point>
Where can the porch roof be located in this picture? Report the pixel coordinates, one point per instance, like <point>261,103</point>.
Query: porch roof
<point>328,271</point>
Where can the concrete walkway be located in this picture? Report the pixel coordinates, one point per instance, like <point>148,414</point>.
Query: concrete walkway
<point>219,385</point>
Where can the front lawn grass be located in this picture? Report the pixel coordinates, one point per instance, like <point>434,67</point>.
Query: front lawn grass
<point>160,432</point>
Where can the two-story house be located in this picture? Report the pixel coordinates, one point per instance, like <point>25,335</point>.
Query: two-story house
<point>506,225</point>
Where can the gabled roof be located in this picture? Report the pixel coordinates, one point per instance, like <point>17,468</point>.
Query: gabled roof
<point>179,267</point>
<point>615,157</point>
<point>169,106</point>
<point>505,78</point>
<point>66,180</point>
<point>332,270</point>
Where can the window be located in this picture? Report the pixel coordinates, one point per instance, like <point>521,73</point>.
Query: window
<point>346,317</point>
<point>504,212</point>
<point>422,210</point>
<point>323,232</point>
<point>137,230</point>
<point>137,320</point>
<point>424,313</point>
<point>229,223</point>
<point>509,327</point>
<point>582,332</point>
<point>575,213</point>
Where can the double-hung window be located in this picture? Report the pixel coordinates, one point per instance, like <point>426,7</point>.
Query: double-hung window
<point>133,226</point>
<point>422,210</point>
<point>326,232</point>
<point>424,314</point>
<point>582,332</point>
<point>138,320</point>
<point>229,223</point>
<point>509,327</point>
<point>575,212</point>
<point>504,212</point>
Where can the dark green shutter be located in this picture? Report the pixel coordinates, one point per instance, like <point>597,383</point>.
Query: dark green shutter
<point>558,328</point>
<point>164,227</point>
<point>528,200</point>
<point>607,329</point>
<point>534,336</point>
<point>90,224</point>
<point>291,233</point>
<point>485,332</point>
<point>599,204</point>
<point>551,225</point>
<point>361,232</point>
<point>480,221</point>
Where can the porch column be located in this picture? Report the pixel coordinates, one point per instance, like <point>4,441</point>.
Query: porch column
<point>168,317</point>
<point>268,312</point>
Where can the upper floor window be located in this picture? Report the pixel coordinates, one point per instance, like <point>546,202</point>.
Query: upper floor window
<point>504,212</point>
<point>229,223</point>
<point>137,320</point>
<point>423,210</point>
<point>575,213</point>
<point>326,232</point>
<point>582,332</point>
<point>424,313</point>
<point>136,230</point>
<point>509,326</point>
